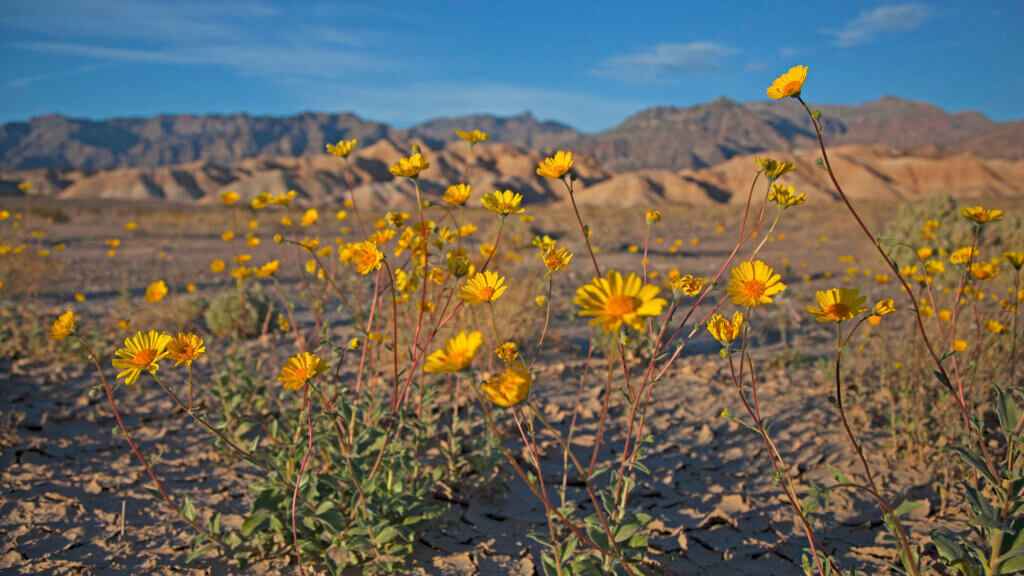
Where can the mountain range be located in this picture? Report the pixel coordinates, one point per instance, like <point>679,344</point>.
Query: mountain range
<point>658,138</point>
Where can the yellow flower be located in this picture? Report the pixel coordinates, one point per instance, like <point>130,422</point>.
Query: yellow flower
<point>229,197</point>
<point>310,217</point>
<point>227,236</point>
<point>268,269</point>
<point>131,226</point>
<point>784,197</point>
<point>79,297</point>
<point>410,167</point>
<point>482,288</point>
<point>503,203</point>
<point>510,387</point>
<point>789,84</point>
<point>995,326</point>
<point>1015,258</point>
<point>984,270</point>
<point>185,348</point>
<point>838,305</point>
<point>963,255</point>
<point>458,194</point>
<point>241,273</point>
<point>689,285</point>
<point>300,368</point>
<point>874,320</point>
<point>959,345</point>
<point>283,323</point>
<point>367,257</point>
<point>652,216</point>
<point>156,291</point>
<point>396,219</point>
<point>980,215</point>
<point>457,354</point>
<point>507,352</point>
<point>882,278</point>
<point>473,137</point>
<point>217,266</point>
<point>63,326</point>
<point>556,258</point>
<point>243,258</point>
<point>934,267</point>
<point>342,149</point>
<point>773,169</point>
<point>615,300</point>
<point>556,166</point>
<point>883,307</point>
<point>260,202</point>
<point>190,287</point>
<point>753,284</point>
<point>924,253</point>
<point>723,330</point>
<point>139,354</point>
<point>355,343</point>
<point>945,315</point>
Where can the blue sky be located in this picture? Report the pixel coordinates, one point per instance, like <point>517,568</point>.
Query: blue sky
<point>589,64</point>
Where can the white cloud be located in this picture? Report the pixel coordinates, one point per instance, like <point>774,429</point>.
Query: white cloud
<point>665,60</point>
<point>870,23</point>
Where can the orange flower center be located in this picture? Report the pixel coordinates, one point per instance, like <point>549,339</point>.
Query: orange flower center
<point>792,87</point>
<point>144,357</point>
<point>620,305</point>
<point>186,351</point>
<point>485,293</point>
<point>837,311</point>
<point>300,374</point>
<point>754,289</point>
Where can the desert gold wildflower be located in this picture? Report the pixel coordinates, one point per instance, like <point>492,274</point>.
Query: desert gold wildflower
<point>995,326</point>
<point>510,387</point>
<point>838,305</point>
<point>773,169</point>
<point>653,217</point>
<point>458,194</point>
<point>217,266</point>
<point>342,149</point>
<point>783,196</point>
<point>156,291</point>
<point>139,354</point>
<point>396,219</point>
<point>959,345</point>
<point>688,285</point>
<point>227,236</point>
<point>1016,259</point>
<point>456,355</point>
<point>185,348</point>
<point>507,352</point>
<point>229,197</point>
<point>410,167</point>
<point>556,166</point>
<point>503,203</point>
<point>882,278</point>
<point>723,330</point>
<point>260,202</point>
<point>984,270</point>
<point>884,307</point>
<point>299,369</point>
<point>473,137</point>
<point>458,264</point>
<point>980,215</point>
<point>616,300</point>
<point>963,255</point>
<point>63,326</point>
<point>483,288</point>
<point>934,267</point>
<point>268,269</point>
<point>309,218</point>
<point>754,283</point>
<point>789,84</point>
<point>556,258</point>
<point>355,343</point>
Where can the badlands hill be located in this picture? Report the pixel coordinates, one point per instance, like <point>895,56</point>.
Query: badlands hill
<point>663,138</point>
<point>868,172</point>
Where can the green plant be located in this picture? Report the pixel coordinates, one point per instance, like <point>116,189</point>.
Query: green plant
<point>240,312</point>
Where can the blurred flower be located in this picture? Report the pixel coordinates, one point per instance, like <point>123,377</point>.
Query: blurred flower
<point>1014,258</point>
<point>473,137</point>
<point>789,84</point>
<point>229,197</point>
<point>458,194</point>
<point>980,215</point>
<point>688,285</point>
<point>227,236</point>
<point>556,166</point>
<point>268,269</point>
<point>963,255</point>
<point>63,326</point>
<point>883,307</point>
<point>396,219</point>
<point>510,387</point>
<point>507,352</point>
<point>310,217</point>
<point>753,284</point>
<point>653,217</point>
<point>156,291</point>
<point>556,258</point>
<point>959,345</point>
<point>355,343</point>
<point>457,354</point>
<point>984,270</point>
<point>343,148</point>
<point>79,297</point>
<point>616,300</point>
<point>995,327</point>
<point>774,169</point>
<point>139,354</point>
<point>882,278</point>
<point>483,288</point>
<point>299,369</point>
<point>217,266</point>
<point>131,226</point>
<point>784,197</point>
<point>185,348</point>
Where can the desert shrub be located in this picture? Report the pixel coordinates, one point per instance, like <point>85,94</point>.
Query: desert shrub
<point>240,311</point>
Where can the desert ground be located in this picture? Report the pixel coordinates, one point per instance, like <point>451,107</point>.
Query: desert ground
<point>65,478</point>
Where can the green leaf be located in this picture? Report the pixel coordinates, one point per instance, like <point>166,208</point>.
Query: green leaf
<point>908,506</point>
<point>387,534</point>
<point>197,552</point>
<point>188,510</point>
<point>976,462</point>
<point>253,522</point>
<point>541,539</point>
